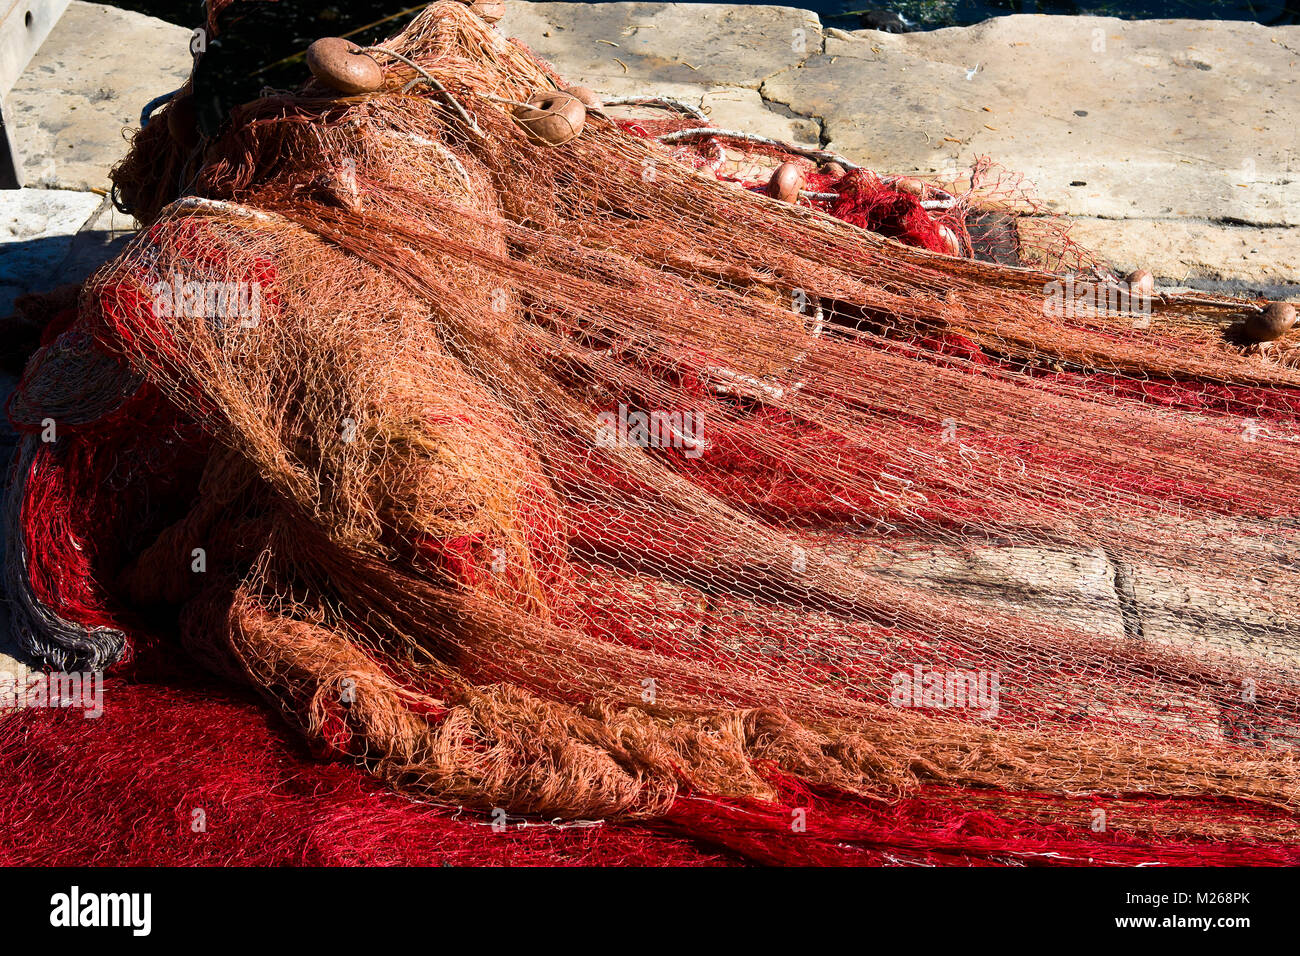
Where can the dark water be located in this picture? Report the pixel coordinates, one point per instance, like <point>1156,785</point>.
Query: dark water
<point>930,14</point>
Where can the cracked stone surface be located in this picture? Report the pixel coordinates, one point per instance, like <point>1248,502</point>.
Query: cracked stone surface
<point>87,83</point>
<point>1153,119</point>
<point>1172,141</point>
<point>741,108</point>
<point>1181,613</point>
<point>1183,609</point>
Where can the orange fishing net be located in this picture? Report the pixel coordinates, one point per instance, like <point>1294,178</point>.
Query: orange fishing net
<point>583,481</point>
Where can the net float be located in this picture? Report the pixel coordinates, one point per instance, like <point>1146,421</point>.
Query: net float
<point>552,119</point>
<point>589,98</point>
<point>833,169</point>
<point>905,184</point>
<point>787,179</point>
<point>1141,283</point>
<point>1274,322</point>
<point>489,10</point>
<point>951,241</point>
<point>341,65</point>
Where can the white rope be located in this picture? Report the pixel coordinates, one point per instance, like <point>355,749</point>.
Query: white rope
<point>663,102</point>
<point>822,155</point>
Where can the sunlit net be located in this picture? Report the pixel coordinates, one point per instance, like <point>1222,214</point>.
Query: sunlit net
<point>590,482</point>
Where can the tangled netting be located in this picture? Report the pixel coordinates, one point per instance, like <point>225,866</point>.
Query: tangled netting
<point>583,482</point>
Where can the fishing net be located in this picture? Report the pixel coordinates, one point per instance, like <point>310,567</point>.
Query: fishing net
<point>590,482</point>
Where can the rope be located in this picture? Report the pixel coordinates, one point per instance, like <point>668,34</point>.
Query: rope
<point>663,102</point>
<point>433,81</point>
<point>822,155</point>
<point>158,101</point>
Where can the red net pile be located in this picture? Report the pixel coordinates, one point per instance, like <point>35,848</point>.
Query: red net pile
<point>581,483</point>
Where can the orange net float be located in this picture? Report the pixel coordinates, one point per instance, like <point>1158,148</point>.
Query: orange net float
<point>786,182</point>
<point>590,99</point>
<point>1272,323</point>
<point>343,66</point>
<point>552,118</point>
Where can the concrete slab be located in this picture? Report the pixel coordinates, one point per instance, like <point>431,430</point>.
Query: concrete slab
<point>1110,120</point>
<point>86,86</point>
<point>1255,259</point>
<point>1070,588</point>
<point>673,49</point>
<point>38,229</point>
<point>14,664</point>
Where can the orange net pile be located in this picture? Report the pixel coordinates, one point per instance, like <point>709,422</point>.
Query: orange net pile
<point>578,481</point>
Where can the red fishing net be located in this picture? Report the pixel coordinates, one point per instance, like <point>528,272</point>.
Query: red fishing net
<point>587,482</point>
